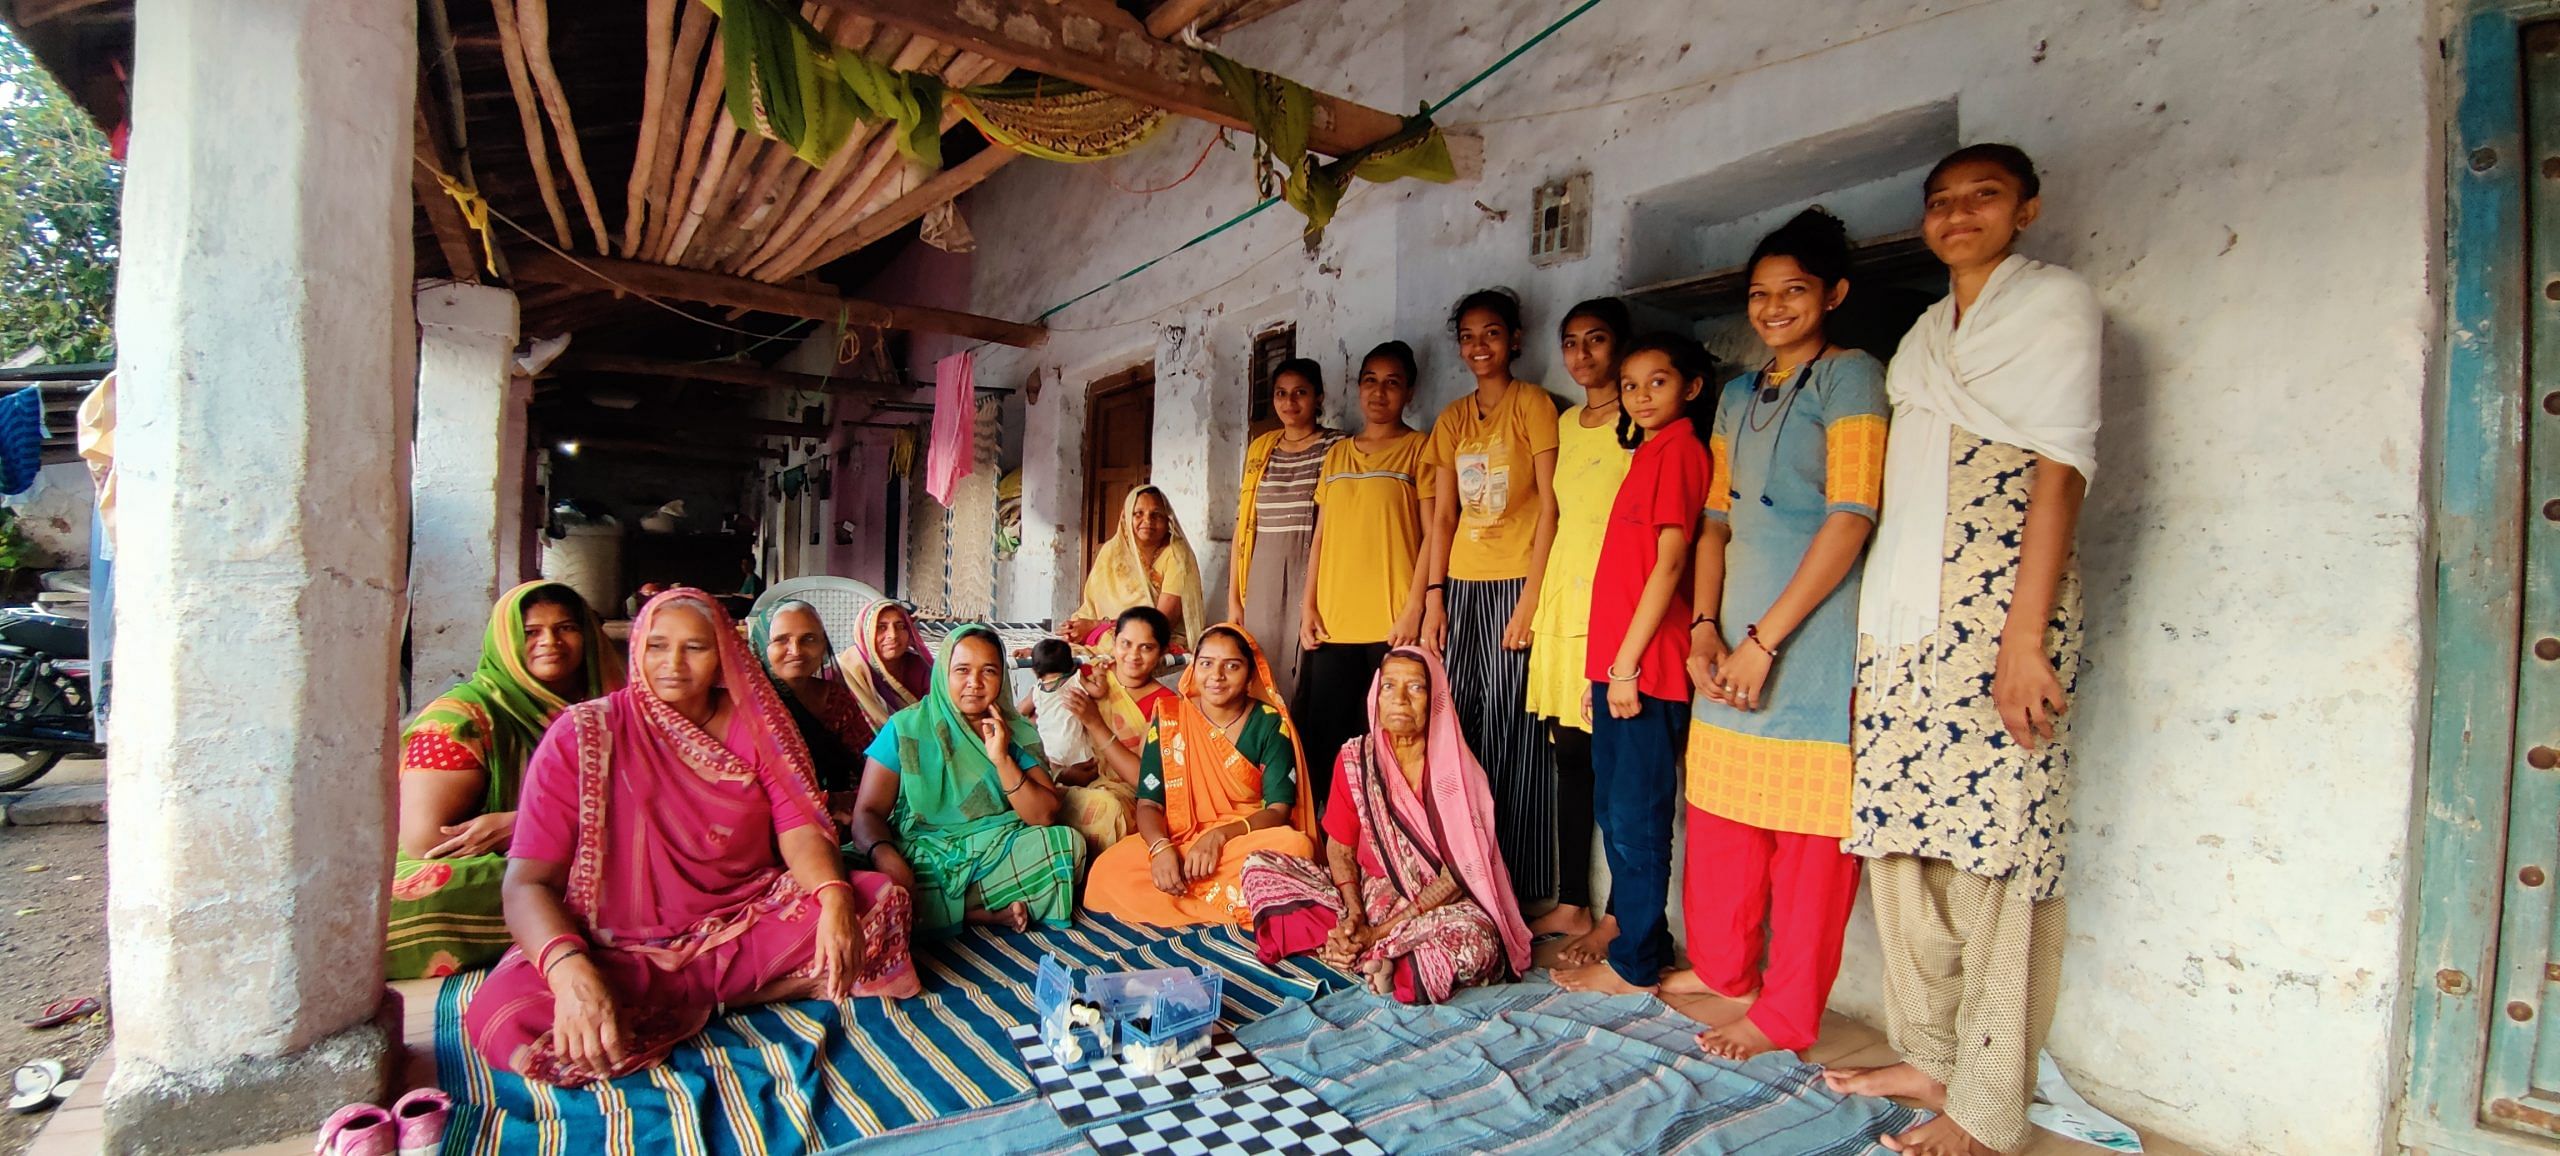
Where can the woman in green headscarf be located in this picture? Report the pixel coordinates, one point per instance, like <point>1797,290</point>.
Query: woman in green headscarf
<point>461,761</point>
<point>957,805</point>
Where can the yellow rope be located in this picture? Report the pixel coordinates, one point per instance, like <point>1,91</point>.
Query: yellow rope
<point>475,213</point>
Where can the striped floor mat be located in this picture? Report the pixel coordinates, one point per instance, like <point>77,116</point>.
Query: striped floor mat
<point>803,1077</point>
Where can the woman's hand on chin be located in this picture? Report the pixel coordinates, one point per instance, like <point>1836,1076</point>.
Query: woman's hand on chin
<point>586,1025</point>
<point>839,943</point>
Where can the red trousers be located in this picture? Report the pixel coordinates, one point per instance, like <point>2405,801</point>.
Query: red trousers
<point>1747,889</point>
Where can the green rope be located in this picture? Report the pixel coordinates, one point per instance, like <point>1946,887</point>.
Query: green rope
<point>1432,109</point>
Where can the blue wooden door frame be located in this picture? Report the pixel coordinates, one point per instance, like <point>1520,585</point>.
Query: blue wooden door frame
<point>2478,524</point>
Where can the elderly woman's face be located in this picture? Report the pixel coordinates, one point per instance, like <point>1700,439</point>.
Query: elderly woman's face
<point>1404,697</point>
<point>680,656</point>
<point>977,675</point>
<point>889,636</point>
<point>798,647</point>
<point>1152,521</point>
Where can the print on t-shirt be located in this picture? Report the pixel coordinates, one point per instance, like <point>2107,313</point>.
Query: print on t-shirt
<point>1483,488</point>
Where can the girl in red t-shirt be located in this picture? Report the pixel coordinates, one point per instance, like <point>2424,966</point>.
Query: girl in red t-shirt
<point>1639,644</point>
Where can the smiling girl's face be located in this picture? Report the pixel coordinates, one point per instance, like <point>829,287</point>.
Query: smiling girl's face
<point>1786,304</point>
<point>1487,344</point>
<point>1974,212</point>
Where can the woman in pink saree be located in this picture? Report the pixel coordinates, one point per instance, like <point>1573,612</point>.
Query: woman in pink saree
<point>1413,893</point>
<point>673,855</point>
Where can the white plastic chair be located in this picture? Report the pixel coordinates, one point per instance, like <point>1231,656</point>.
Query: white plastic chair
<point>837,600</point>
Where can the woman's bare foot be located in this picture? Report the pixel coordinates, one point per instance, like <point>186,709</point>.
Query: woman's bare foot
<point>1381,974</point>
<point>1901,1080</point>
<point>1739,1040</point>
<point>1591,946</point>
<point>1599,977</point>
<point>1015,917</point>
<point>1941,1136</point>
<point>1562,919</point>
<point>1686,982</point>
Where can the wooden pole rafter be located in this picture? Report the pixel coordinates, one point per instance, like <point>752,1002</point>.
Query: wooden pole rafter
<point>1093,42</point>
<point>817,303</point>
<point>728,373</point>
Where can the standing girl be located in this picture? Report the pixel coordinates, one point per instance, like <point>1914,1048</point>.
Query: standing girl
<point>1636,680</point>
<point>1364,585</point>
<point>1969,644</point>
<point>1276,519</point>
<point>1493,453</point>
<point>1799,449</point>
<point>1589,465</point>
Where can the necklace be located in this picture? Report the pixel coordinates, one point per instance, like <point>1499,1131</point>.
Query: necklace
<point>1753,422</point>
<point>1313,436</point>
<point>1231,726</point>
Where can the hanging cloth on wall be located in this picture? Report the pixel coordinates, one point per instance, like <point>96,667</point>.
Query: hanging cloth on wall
<point>22,434</point>
<point>97,429</point>
<point>1058,120</point>
<point>947,460</point>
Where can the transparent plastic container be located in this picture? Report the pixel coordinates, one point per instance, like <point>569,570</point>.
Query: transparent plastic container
<point>1072,1044</point>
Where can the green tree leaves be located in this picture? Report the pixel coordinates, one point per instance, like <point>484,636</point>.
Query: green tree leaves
<point>59,193</point>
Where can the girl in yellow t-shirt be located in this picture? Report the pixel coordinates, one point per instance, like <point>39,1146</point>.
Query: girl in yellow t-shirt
<point>1364,593</point>
<point>1493,457</point>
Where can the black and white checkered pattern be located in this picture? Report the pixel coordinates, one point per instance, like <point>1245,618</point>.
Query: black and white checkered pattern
<point>1279,1118</point>
<point>1103,1090</point>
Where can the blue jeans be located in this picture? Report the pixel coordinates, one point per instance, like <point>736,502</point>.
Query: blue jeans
<point>1635,788</point>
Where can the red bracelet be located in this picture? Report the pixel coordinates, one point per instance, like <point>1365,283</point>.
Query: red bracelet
<point>1752,632</point>
<point>542,960</point>
<point>821,889</point>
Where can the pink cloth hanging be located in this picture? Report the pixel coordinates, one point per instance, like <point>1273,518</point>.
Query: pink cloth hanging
<point>955,414</point>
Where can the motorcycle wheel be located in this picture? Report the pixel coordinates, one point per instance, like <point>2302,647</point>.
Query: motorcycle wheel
<point>23,767</point>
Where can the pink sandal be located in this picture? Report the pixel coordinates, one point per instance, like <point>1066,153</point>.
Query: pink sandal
<point>421,1116</point>
<point>357,1130</point>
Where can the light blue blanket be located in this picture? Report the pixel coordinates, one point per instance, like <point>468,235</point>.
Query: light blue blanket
<point>1531,1068</point>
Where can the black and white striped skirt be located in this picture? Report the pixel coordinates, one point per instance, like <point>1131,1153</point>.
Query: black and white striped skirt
<point>1491,689</point>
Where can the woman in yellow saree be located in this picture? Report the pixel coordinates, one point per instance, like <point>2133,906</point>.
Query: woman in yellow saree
<point>1147,563</point>
<point>1217,782</point>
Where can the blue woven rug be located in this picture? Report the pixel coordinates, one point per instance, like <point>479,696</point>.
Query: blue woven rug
<point>803,1077</point>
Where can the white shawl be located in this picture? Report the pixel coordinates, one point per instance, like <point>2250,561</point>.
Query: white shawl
<point>2021,369</point>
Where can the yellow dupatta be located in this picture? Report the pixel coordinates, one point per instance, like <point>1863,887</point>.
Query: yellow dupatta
<point>1208,781</point>
<point>1119,579</point>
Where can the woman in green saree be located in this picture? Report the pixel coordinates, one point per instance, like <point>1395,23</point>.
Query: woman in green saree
<point>957,806</point>
<point>461,761</point>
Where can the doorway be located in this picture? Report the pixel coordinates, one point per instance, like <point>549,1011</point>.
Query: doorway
<point>1119,450</point>
<point>2484,1056</point>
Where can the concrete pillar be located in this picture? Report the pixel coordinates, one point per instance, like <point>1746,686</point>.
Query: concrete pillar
<point>468,488</point>
<point>266,342</point>
<point>1199,442</point>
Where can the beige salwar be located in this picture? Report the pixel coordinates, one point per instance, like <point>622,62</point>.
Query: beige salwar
<point>1971,968</point>
<point>1104,812</point>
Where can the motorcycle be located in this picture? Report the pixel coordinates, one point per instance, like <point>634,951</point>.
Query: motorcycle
<point>45,695</point>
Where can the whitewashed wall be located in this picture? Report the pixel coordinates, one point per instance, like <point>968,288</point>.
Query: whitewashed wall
<point>2260,233</point>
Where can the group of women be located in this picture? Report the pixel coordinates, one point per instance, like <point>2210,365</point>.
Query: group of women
<point>1444,658</point>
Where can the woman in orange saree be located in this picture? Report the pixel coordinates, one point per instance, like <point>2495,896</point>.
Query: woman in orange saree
<point>1218,781</point>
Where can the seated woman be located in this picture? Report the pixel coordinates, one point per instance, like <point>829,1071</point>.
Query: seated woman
<point>1147,563</point>
<point>1413,895</point>
<point>956,805</point>
<point>1218,782</point>
<point>886,665</point>
<point>792,644</point>
<point>461,762</point>
<point>673,857</point>
<point>1116,706</point>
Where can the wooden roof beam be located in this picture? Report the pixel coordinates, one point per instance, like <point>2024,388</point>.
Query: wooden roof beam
<point>1094,43</point>
<point>822,304</point>
<point>727,373</point>
<point>937,190</point>
<point>610,422</point>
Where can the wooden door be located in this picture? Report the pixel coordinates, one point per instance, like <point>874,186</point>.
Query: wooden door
<point>1119,450</point>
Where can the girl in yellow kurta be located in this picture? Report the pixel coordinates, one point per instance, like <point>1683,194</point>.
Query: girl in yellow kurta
<point>1218,781</point>
<point>1589,465</point>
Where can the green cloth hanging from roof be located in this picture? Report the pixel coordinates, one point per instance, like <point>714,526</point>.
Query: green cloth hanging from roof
<point>1282,113</point>
<point>788,83</point>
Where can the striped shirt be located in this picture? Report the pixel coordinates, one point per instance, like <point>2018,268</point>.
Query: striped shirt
<point>1285,501</point>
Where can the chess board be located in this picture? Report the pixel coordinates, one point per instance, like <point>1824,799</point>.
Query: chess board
<point>1277,1118</point>
<point>1103,1090</point>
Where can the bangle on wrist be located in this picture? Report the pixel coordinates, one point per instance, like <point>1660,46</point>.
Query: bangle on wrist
<point>1630,676</point>
<point>542,959</point>
<point>821,889</point>
<point>1705,620</point>
<point>1159,847</point>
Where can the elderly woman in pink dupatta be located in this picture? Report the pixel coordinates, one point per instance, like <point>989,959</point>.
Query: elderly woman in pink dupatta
<point>1413,893</point>
<point>672,855</point>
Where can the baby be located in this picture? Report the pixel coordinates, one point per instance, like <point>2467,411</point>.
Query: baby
<point>1062,736</point>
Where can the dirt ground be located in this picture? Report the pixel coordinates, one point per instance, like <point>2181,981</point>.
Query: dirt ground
<point>53,942</point>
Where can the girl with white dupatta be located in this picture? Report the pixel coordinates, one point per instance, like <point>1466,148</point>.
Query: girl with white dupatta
<point>1969,630</point>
